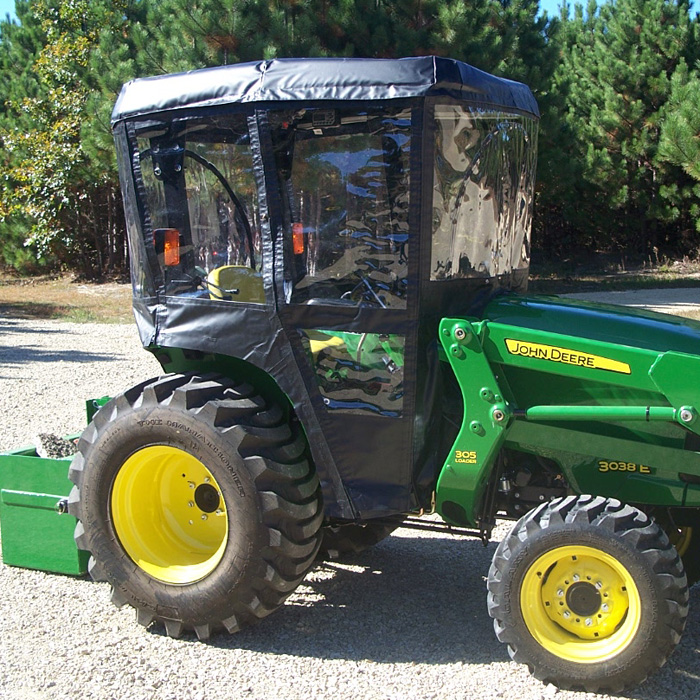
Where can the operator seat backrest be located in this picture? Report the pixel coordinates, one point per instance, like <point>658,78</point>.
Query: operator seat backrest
<point>236,283</point>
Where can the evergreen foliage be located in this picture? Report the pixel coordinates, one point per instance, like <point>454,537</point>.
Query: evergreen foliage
<point>680,132</point>
<point>65,199</point>
<point>618,62</point>
<point>618,86</point>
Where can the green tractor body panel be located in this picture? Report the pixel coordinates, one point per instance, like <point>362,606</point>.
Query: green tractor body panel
<point>608,395</point>
<point>461,484</point>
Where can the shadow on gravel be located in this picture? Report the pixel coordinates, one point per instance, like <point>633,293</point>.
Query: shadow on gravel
<point>13,326</point>
<point>408,600</point>
<point>26,354</point>
<point>417,600</point>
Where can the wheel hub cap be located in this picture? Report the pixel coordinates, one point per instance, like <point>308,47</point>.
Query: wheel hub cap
<point>583,599</point>
<point>207,498</point>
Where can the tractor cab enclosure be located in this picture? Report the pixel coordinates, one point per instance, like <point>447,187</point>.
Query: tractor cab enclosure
<point>306,224</point>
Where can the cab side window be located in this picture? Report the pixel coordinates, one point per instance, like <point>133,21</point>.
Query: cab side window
<point>201,201</point>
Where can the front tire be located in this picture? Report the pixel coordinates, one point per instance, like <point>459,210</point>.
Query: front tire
<point>197,503</point>
<point>588,593</point>
<point>683,530</point>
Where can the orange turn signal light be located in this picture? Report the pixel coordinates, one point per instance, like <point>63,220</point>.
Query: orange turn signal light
<point>171,246</point>
<point>298,238</point>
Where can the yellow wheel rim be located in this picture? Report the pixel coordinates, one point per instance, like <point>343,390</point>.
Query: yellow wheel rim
<point>580,604</point>
<point>169,514</point>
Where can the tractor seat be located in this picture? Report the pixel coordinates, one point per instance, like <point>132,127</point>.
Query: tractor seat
<point>236,283</point>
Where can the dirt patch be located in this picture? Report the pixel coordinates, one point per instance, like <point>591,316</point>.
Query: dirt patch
<point>555,279</point>
<point>65,299</point>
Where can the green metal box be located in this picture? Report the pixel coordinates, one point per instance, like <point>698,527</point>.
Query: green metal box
<point>34,533</point>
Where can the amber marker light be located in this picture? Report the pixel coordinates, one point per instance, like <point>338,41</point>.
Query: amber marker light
<point>298,238</point>
<point>171,246</point>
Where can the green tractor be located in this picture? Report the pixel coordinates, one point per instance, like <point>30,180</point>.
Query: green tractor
<point>329,261</point>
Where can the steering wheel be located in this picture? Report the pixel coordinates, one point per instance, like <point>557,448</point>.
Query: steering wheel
<point>363,293</point>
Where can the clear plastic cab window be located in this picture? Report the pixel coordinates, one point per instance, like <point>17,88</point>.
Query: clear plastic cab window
<point>484,173</point>
<point>201,208</point>
<point>346,175</point>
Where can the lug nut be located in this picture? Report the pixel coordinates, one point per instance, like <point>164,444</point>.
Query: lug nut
<point>191,504</point>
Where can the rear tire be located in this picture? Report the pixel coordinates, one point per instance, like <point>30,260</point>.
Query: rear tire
<point>197,503</point>
<point>589,593</point>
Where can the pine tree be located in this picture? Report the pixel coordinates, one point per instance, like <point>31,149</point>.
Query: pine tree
<point>618,61</point>
<point>680,141</point>
<point>20,44</point>
<point>680,133</point>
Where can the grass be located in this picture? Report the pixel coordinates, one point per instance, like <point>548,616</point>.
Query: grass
<point>65,299</point>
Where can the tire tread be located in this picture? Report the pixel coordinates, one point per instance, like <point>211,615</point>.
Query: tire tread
<point>288,489</point>
<point>622,521</point>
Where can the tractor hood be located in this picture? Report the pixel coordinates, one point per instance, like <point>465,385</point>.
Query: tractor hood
<point>608,323</point>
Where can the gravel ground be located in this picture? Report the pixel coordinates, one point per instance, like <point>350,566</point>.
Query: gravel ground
<point>405,620</point>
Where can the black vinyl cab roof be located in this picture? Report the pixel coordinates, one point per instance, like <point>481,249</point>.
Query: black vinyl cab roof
<point>322,79</point>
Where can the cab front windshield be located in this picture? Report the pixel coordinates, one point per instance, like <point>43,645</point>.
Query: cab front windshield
<point>347,175</point>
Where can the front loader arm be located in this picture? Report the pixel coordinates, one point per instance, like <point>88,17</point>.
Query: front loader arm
<point>466,471</point>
